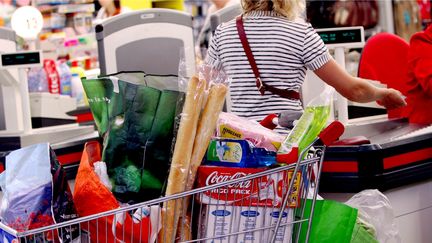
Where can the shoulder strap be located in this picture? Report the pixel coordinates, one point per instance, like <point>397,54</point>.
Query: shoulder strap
<point>248,51</point>
<point>262,87</point>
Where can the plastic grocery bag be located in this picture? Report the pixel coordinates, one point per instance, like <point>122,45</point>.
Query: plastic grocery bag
<point>36,194</point>
<point>91,196</point>
<point>375,215</point>
<point>332,222</point>
<point>135,114</point>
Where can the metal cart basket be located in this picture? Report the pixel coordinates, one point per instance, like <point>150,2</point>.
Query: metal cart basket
<point>266,206</point>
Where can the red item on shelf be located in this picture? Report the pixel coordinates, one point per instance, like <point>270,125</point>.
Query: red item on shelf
<point>52,76</point>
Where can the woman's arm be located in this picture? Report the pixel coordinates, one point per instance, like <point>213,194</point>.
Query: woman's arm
<point>358,89</point>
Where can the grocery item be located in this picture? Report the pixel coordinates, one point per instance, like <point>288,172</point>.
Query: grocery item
<point>52,75</point>
<point>233,126</point>
<point>206,128</point>
<point>36,194</point>
<point>307,128</point>
<point>181,158</point>
<point>136,117</point>
<point>77,90</point>
<point>265,191</point>
<point>65,79</point>
<point>237,153</point>
<point>37,80</point>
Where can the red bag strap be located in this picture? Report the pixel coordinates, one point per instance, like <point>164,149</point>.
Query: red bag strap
<point>262,87</point>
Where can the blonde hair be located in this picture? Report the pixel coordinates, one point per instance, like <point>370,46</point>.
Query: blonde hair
<point>290,9</point>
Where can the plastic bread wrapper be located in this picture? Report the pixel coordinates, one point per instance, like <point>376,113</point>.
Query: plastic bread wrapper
<point>181,157</point>
<point>232,126</point>
<point>215,94</point>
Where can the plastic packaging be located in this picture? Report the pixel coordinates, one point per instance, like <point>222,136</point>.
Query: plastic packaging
<point>237,153</point>
<point>36,194</point>
<point>310,123</point>
<point>375,210</point>
<point>232,126</point>
<point>65,79</point>
<point>37,80</point>
<point>193,137</point>
<point>77,89</point>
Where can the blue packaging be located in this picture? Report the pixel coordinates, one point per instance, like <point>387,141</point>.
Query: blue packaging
<point>237,153</point>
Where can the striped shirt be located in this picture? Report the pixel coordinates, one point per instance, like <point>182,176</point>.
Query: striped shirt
<point>282,49</point>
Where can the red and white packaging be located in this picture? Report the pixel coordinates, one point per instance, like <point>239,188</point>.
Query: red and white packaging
<point>265,191</point>
<point>218,220</point>
<point>52,76</point>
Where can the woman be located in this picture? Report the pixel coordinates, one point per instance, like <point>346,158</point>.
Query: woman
<point>283,46</point>
<point>419,94</point>
<point>205,34</point>
<point>108,9</point>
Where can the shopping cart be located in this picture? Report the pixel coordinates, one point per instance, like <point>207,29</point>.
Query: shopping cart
<point>268,205</point>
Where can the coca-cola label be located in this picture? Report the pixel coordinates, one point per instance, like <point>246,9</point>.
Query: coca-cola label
<point>52,76</point>
<point>268,190</point>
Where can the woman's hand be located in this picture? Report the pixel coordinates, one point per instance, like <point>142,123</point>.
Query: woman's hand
<point>391,99</point>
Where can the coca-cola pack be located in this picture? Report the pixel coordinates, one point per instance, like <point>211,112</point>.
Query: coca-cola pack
<point>265,191</point>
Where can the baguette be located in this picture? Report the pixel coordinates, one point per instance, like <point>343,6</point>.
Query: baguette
<point>181,157</point>
<point>206,128</point>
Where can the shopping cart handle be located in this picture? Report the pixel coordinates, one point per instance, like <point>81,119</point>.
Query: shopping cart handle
<point>331,133</point>
<point>269,121</point>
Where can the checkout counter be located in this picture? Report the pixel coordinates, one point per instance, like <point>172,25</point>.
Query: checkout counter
<point>16,129</point>
<point>390,155</point>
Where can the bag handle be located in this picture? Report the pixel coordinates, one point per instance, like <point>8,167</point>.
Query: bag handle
<point>262,87</point>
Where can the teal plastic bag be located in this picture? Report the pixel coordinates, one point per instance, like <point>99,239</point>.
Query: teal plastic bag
<point>332,222</point>
<point>135,115</point>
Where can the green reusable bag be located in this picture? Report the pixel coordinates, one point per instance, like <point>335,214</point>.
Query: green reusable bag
<point>135,115</point>
<point>332,222</point>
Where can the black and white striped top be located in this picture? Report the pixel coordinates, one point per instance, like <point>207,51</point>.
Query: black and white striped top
<point>282,49</point>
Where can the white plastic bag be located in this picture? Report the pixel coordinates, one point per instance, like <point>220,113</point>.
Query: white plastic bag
<point>374,208</point>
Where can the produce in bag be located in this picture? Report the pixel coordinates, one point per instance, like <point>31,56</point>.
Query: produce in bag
<point>307,128</point>
<point>36,194</point>
<point>135,114</point>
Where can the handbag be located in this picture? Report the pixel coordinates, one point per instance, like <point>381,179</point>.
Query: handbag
<point>262,87</point>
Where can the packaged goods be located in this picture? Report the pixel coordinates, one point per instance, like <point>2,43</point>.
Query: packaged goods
<point>135,114</point>
<point>52,75</point>
<point>307,128</point>
<point>65,79</point>
<point>284,233</point>
<point>237,153</point>
<point>218,220</point>
<point>179,170</point>
<point>267,190</point>
<point>233,126</point>
<point>37,80</point>
<point>36,194</point>
<point>250,219</point>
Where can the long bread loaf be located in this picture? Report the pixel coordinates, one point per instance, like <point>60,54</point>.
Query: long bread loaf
<point>206,128</point>
<point>181,158</point>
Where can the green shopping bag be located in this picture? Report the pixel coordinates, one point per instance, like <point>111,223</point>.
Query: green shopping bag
<point>135,115</point>
<point>332,222</point>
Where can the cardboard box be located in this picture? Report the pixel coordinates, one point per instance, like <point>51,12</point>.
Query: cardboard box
<point>250,219</point>
<point>217,220</point>
<point>284,233</point>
